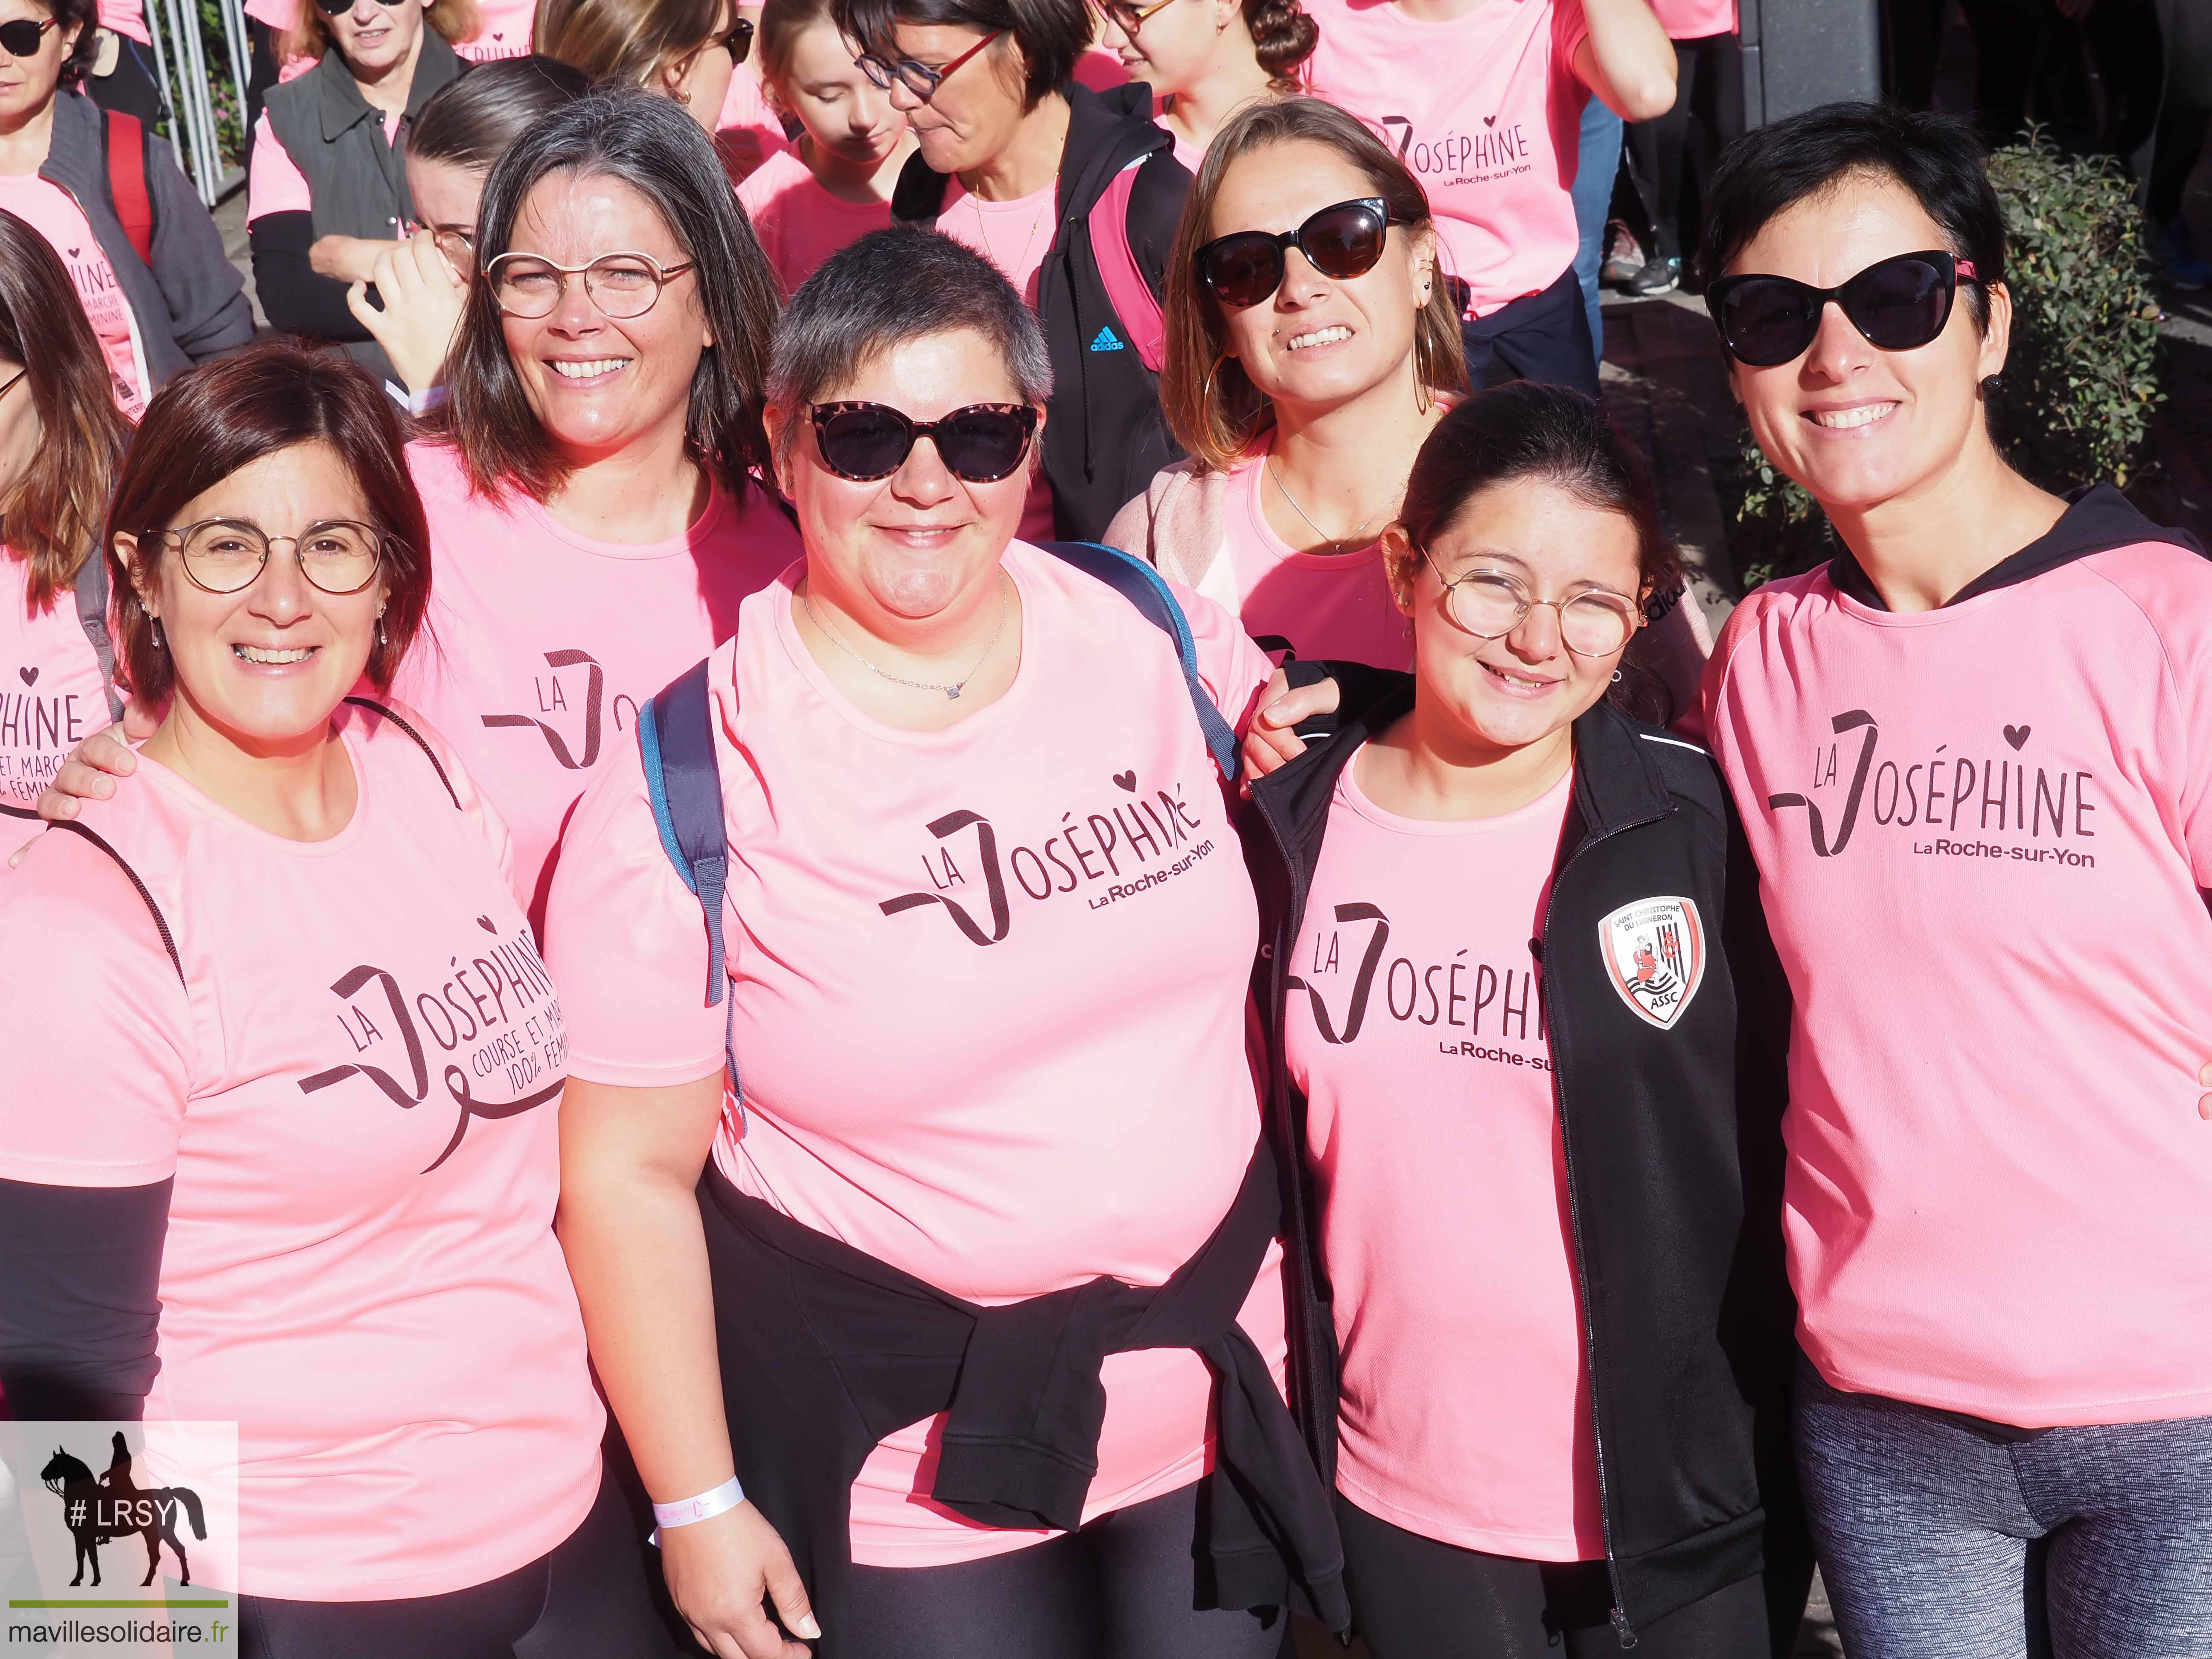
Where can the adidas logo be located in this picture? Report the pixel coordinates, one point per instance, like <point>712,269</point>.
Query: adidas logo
<point>1107,340</point>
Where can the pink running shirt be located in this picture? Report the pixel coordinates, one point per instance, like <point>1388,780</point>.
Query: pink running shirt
<point>126,17</point>
<point>799,222</point>
<point>1486,110</point>
<point>1984,834</point>
<point>359,1267</point>
<point>1418,1036</point>
<point>53,213</point>
<point>503,29</point>
<point>1694,20</point>
<point>50,694</point>
<point>1004,1121</point>
<point>1014,235</point>
<point>541,641</point>
<point>745,108</point>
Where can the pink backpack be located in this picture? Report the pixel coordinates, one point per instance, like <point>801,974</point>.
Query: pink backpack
<point>1131,297</point>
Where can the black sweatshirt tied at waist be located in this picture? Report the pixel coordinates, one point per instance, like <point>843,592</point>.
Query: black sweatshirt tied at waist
<point>826,1350</point>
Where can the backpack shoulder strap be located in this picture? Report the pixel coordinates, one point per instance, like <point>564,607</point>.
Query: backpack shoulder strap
<point>684,782</point>
<point>1147,589</point>
<point>1126,290</point>
<point>126,137</point>
<point>421,742</point>
<point>91,592</point>
<point>161,922</point>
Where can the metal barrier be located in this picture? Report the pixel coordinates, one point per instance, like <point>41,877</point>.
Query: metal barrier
<point>180,63</point>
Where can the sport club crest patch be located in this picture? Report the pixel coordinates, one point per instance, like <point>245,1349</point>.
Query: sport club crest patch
<point>1654,953</point>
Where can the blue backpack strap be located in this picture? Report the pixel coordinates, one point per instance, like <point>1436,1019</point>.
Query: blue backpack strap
<point>1146,588</point>
<point>683,781</point>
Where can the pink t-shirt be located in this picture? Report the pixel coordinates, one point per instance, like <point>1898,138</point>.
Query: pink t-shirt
<point>1693,19</point>
<point>1416,1029</point>
<point>1014,235</point>
<point>1984,834</point>
<point>543,641</point>
<point>360,1267</point>
<point>275,183</point>
<point>1073,1100</point>
<point>1326,605</point>
<point>50,694</point>
<point>502,31</point>
<point>799,222</point>
<point>745,108</point>
<point>53,213</point>
<point>1102,70</point>
<point>125,18</point>
<point>1486,110</point>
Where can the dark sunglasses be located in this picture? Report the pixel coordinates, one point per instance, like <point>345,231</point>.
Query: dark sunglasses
<point>982,443</point>
<point>1343,241</point>
<point>340,8</point>
<point>22,37</point>
<point>740,39</point>
<point>1900,304</point>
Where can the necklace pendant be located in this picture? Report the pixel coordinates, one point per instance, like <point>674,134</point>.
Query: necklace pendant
<point>952,692</point>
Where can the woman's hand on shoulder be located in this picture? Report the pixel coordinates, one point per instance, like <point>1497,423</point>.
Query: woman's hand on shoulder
<point>1272,741</point>
<point>720,1571</point>
<point>422,312</point>
<point>91,770</point>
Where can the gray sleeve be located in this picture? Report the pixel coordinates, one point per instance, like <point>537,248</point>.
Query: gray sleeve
<point>208,311</point>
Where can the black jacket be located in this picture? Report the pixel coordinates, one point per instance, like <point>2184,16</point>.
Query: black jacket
<point>1673,1154</point>
<point>1105,437</point>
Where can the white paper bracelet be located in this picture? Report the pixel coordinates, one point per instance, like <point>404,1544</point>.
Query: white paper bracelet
<point>704,1507</point>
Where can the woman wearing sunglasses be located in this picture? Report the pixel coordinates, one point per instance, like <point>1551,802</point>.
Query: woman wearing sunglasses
<point>1206,59</point>
<point>906,1336</point>
<point>308,1187</point>
<point>686,49</point>
<point>153,315</point>
<point>421,283</point>
<point>1511,996</point>
<point>1484,100</point>
<point>327,191</point>
<point>1970,755</point>
<point>1071,193</point>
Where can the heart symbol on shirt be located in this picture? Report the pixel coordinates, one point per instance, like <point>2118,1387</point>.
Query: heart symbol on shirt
<point>73,253</point>
<point>1490,120</point>
<point>1127,780</point>
<point>2016,735</point>
<point>499,34</point>
<point>30,676</point>
<point>484,922</point>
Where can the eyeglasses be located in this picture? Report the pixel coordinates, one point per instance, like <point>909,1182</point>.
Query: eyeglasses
<point>225,555</point>
<point>1490,604</point>
<point>980,444</point>
<point>1343,241</point>
<point>740,39</point>
<point>1900,304</point>
<point>340,8</point>
<point>622,285</point>
<point>22,37</point>
<point>459,247</point>
<point>1129,18</point>
<point>919,79</point>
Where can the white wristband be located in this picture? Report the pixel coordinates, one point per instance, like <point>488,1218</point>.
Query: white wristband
<point>704,1507</point>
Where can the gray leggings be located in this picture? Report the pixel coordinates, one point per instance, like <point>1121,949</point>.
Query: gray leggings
<point>1940,1537</point>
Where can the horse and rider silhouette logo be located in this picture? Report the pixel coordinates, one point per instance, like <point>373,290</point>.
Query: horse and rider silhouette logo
<point>99,1509</point>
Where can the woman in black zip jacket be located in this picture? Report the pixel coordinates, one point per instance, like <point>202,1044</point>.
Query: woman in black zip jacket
<point>1514,982</point>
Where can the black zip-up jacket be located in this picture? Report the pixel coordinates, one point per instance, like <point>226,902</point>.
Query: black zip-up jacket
<point>1674,1155</point>
<point>1106,436</point>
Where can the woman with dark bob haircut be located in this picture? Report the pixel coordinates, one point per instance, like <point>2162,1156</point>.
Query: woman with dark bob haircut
<point>307,1182</point>
<point>1971,752</point>
<point>957,1329</point>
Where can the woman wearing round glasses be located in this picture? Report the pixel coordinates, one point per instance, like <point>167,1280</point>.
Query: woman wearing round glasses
<point>327,189</point>
<point>1512,994</point>
<point>1970,753</point>
<point>155,313</point>
<point>308,1186</point>
<point>959,1329</point>
<point>1071,193</point>
<point>1206,59</point>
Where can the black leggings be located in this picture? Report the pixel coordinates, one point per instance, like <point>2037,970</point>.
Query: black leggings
<point>1124,1587</point>
<point>586,1599</point>
<point>1415,1598</point>
<point>1674,154</point>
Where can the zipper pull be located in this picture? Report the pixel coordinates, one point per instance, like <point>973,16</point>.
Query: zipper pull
<point>1620,1629</point>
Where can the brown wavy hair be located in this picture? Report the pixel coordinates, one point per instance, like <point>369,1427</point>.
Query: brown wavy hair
<point>50,518</point>
<point>1211,405</point>
<point>624,42</point>
<point>454,20</point>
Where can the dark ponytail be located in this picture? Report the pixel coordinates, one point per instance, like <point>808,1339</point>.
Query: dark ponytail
<point>1283,37</point>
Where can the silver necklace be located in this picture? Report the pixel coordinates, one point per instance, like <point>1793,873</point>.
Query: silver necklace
<point>952,690</point>
<point>1352,535</point>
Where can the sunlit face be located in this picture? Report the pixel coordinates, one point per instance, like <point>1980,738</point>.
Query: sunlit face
<point>1174,47</point>
<point>373,37</point>
<point>1507,693</point>
<point>28,84</point>
<point>909,546</point>
<point>700,81</point>
<point>842,111</point>
<point>1855,425</point>
<point>266,665</point>
<point>599,384</point>
<point>1318,342</point>
<point>976,111</point>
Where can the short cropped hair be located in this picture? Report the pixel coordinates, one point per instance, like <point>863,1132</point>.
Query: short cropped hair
<point>1051,35</point>
<point>1936,158</point>
<point>221,417</point>
<point>889,288</point>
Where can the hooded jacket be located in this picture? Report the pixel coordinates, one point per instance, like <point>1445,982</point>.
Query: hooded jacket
<point>190,305</point>
<point>1674,1153</point>
<point>1105,436</point>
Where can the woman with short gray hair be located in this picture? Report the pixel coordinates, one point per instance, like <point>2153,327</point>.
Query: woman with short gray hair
<point>957,1326</point>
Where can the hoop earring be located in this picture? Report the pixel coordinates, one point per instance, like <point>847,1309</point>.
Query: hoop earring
<point>1423,370</point>
<point>1616,677</point>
